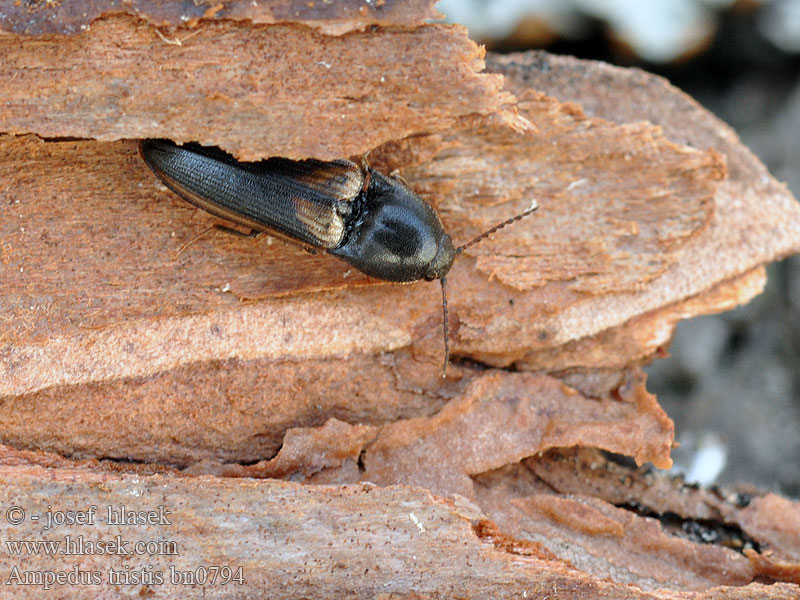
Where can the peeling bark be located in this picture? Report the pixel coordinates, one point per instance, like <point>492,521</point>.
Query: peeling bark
<point>148,361</point>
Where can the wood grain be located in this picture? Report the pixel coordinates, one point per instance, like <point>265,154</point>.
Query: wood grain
<point>148,360</point>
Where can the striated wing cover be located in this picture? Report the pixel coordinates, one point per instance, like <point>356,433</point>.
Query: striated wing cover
<point>305,201</point>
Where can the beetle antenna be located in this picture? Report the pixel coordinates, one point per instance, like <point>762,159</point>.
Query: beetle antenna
<point>534,206</point>
<point>446,337</point>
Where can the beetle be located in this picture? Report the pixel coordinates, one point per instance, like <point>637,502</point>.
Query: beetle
<point>375,222</point>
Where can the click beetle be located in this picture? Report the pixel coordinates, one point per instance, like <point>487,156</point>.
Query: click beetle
<point>374,222</point>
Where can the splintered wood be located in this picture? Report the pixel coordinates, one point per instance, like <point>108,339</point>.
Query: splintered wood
<point>49,16</point>
<point>257,91</point>
<point>151,361</point>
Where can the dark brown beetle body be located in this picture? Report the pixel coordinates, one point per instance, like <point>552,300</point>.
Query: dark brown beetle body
<point>374,222</point>
<point>384,230</point>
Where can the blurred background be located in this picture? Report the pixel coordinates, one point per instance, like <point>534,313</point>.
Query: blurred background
<point>732,383</point>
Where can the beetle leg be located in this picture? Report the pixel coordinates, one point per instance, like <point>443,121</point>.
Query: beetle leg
<point>252,234</point>
<point>396,176</point>
<point>367,172</point>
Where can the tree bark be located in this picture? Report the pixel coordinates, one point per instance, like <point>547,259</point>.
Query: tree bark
<point>146,361</point>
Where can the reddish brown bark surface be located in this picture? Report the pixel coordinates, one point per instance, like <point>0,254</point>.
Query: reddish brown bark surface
<point>148,361</point>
